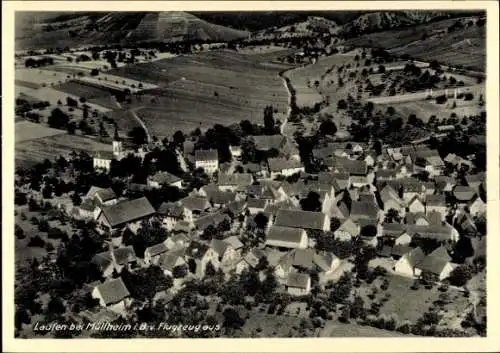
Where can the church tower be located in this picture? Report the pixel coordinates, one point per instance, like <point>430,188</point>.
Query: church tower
<point>117,146</point>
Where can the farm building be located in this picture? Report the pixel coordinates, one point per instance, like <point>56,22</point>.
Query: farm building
<point>164,179</point>
<point>112,294</point>
<point>285,237</point>
<point>285,167</point>
<point>298,284</point>
<point>126,213</point>
<point>302,219</point>
<point>407,264</point>
<point>208,160</point>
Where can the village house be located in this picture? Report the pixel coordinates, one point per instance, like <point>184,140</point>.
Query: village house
<point>234,182</point>
<point>256,206</point>
<point>419,219</point>
<point>436,203</point>
<point>202,255</point>
<point>177,241</point>
<point>285,237</point>
<point>163,179</point>
<point>339,180</point>
<point>347,231</point>
<point>402,239</point>
<point>102,159</point>
<point>128,213</point>
<point>475,181</point>
<point>298,284</point>
<point>210,219</point>
<point>195,204</point>
<point>367,210</point>
<point>391,200</point>
<point>285,167</point>
<point>476,206</point>
<point>96,198</point>
<point>113,295</point>
<point>415,205</point>
<point>436,265</point>
<point>171,213</point>
<point>250,260</point>
<point>171,259</point>
<point>307,220</point>
<point>152,253</point>
<point>279,143</point>
<point>411,187</point>
<point>407,264</point>
<point>444,183</point>
<point>229,251</point>
<point>208,160</point>
<point>463,195</point>
<point>235,152</point>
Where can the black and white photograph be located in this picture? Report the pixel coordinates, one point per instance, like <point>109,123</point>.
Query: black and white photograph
<point>250,174</point>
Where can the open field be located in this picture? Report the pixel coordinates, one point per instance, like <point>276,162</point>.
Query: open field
<point>53,96</point>
<point>424,109</point>
<point>303,78</point>
<point>80,89</point>
<point>206,88</point>
<point>38,76</point>
<point>33,151</point>
<point>409,304</point>
<point>26,131</point>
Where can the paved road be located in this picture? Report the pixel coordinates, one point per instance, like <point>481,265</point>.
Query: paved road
<point>139,120</point>
<point>401,98</point>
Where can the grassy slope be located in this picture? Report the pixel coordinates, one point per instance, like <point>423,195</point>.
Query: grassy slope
<point>210,87</point>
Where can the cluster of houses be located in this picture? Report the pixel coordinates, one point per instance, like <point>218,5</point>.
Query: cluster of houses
<point>359,188</point>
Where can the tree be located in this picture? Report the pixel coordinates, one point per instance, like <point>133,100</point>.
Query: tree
<point>261,220</point>
<point>369,231</point>
<point>179,138</point>
<point>269,123</point>
<point>47,192</point>
<point>138,135</point>
<point>57,119</point>
<point>358,308</point>
<point>460,275</point>
<point>71,102</point>
<point>392,216</point>
<point>232,319</point>
<point>341,104</point>
<point>311,202</point>
<point>94,72</point>
<point>19,232</point>
<point>327,127</point>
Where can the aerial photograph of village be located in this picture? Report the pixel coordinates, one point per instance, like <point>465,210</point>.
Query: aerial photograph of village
<point>250,174</point>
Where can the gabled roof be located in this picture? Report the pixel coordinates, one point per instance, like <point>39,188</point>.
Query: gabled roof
<point>124,255</point>
<point>128,211</point>
<point>213,219</point>
<point>414,256</point>
<point>463,193</point>
<point>401,249</point>
<point>105,155</point>
<point>324,260</point>
<point>234,242</point>
<point>350,227</point>
<point>303,258</point>
<point>156,249</point>
<point>411,185</point>
<point>256,203</point>
<point>113,291</point>
<point>300,219</point>
<point>219,246</point>
<point>280,164</point>
<point>284,234</point>
<point>415,199</point>
<point>386,173</point>
<point>171,209</point>
<point>206,155</point>
<point>195,203</point>
<point>164,178</point>
<point>221,197</point>
<point>388,193</point>
<point>168,259</point>
<point>475,178</point>
<point>253,257</point>
<point>433,264</point>
<point>350,166</point>
<point>297,280</point>
<point>365,209</point>
<point>442,253</point>
<point>236,179</point>
<point>267,142</point>
<point>435,200</point>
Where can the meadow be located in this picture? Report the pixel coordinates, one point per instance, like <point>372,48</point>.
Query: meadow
<point>206,88</point>
<point>31,151</point>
